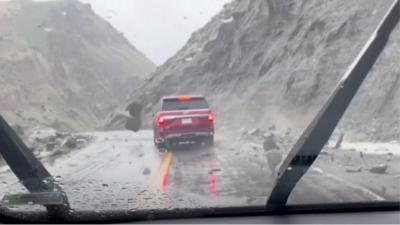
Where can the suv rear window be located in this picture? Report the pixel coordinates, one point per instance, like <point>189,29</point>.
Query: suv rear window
<point>176,104</point>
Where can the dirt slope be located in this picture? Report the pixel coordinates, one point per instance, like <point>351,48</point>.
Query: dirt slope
<point>63,66</point>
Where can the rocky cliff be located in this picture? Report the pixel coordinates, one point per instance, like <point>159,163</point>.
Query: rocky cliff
<point>63,66</point>
<point>270,62</point>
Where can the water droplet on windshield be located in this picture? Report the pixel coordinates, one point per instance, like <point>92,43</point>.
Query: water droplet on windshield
<point>289,168</point>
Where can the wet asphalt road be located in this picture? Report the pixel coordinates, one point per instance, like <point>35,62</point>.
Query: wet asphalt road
<point>124,171</point>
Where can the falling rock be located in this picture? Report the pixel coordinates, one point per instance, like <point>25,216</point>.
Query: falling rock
<point>146,171</point>
<point>380,169</point>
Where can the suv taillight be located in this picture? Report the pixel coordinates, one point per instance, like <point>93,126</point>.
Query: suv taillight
<point>211,117</point>
<point>160,121</point>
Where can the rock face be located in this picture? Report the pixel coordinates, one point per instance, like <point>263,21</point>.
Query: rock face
<point>263,62</point>
<point>63,66</point>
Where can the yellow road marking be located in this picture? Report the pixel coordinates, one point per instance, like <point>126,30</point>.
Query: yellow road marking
<point>156,180</point>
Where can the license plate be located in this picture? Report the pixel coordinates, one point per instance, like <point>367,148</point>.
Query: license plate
<point>187,121</point>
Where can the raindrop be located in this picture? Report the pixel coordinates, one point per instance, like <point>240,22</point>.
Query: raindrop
<point>289,168</point>
<point>30,203</point>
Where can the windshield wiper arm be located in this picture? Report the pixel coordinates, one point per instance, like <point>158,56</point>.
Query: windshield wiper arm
<point>313,139</point>
<point>29,170</point>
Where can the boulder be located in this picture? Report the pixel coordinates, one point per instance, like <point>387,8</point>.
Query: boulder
<point>135,109</point>
<point>146,171</point>
<point>133,124</point>
<point>380,169</point>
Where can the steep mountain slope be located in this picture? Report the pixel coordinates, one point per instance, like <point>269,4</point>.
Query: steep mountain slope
<point>272,62</point>
<point>63,66</point>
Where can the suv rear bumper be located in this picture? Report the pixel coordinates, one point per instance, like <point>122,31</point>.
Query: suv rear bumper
<point>184,136</point>
<point>191,134</point>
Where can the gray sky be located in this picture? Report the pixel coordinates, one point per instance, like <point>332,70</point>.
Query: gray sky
<point>158,28</point>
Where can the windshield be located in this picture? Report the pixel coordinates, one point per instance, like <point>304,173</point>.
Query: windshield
<point>90,123</point>
<point>176,104</point>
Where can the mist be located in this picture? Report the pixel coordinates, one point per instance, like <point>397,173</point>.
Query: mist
<point>157,28</point>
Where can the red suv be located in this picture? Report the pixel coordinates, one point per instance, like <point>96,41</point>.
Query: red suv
<point>183,119</point>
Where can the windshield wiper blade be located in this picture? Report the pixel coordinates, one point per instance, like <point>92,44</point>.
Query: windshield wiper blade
<point>29,170</point>
<point>318,132</point>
